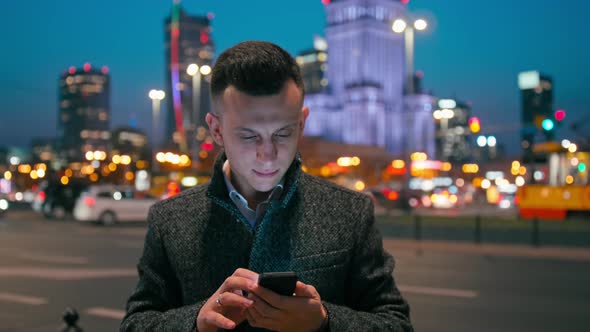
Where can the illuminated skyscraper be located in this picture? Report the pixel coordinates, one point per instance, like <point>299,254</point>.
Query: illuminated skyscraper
<point>313,67</point>
<point>452,130</point>
<point>84,112</point>
<point>365,76</point>
<point>188,41</point>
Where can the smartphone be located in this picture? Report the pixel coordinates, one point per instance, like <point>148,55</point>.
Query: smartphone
<point>282,283</point>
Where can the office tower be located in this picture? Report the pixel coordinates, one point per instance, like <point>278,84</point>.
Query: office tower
<point>84,112</point>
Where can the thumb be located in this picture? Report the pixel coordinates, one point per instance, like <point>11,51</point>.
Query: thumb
<point>303,290</point>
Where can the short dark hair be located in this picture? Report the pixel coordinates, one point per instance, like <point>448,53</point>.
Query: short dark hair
<point>257,68</point>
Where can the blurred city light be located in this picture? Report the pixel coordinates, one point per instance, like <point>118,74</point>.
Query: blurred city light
<point>582,167</point>
<point>569,179</point>
<point>420,24</point>
<point>485,184</point>
<point>398,163</point>
<point>565,143</point>
<point>65,180</point>
<point>470,168</point>
<point>572,148</point>
<point>205,70</point>
<point>359,185</point>
<point>399,26</point>
<point>474,125</point>
<point>538,175</point>
<point>547,124</point>
<point>519,181</point>
<point>14,160</point>
<point>491,140</point>
<point>7,175</point>
<point>125,160</point>
<point>157,94</point>
<point>447,103</point>
<point>559,115</point>
<point>192,70</point>
<point>481,141</point>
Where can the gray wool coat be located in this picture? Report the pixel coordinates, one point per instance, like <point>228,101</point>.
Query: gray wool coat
<point>323,232</point>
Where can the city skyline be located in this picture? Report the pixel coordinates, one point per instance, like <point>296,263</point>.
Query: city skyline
<point>460,56</point>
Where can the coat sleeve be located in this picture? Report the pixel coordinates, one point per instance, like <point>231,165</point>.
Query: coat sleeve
<point>374,302</point>
<point>156,302</point>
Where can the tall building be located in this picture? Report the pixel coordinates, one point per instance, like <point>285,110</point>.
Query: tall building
<point>420,131</point>
<point>42,149</point>
<point>452,130</point>
<point>130,141</point>
<point>537,105</point>
<point>84,112</point>
<point>313,67</point>
<point>188,41</point>
<point>364,102</point>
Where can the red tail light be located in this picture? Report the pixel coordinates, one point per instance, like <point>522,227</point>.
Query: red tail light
<point>41,196</point>
<point>89,201</point>
<point>392,195</point>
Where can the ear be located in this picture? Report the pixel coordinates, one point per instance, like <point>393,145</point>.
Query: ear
<point>214,124</point>
<point>305,114</point>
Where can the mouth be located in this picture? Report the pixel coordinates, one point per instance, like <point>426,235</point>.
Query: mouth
<point>266,174</point>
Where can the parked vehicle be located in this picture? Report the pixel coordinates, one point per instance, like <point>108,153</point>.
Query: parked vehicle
<point>54,200</point>
<point>108,204</point>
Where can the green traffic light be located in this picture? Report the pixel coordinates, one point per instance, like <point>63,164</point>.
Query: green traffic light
<point>581,167</point>
<point>547,124</point>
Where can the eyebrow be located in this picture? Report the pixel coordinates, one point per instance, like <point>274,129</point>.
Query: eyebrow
<point>242,129</point>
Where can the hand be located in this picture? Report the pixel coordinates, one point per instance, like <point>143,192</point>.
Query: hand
<point>226,307</point>
<point>302,312</point>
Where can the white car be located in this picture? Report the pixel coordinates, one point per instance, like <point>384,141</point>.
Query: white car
<point>109,204</point>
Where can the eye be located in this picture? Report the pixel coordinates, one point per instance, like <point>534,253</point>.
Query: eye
<point>284,134</point>
<point>247,138</point>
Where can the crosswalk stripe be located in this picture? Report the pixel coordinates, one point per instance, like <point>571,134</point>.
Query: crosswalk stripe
<point>106,313</point>
<point>462,293</point>
<point>22,299</point>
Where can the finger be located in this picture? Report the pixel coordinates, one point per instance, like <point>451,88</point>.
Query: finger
<point>245,273</point>
<point>233,283</point>
<point>251,317</point>
<point>262,308</point>
<point>228,299</point>
<point>217,319</point>
<point>268,296</point>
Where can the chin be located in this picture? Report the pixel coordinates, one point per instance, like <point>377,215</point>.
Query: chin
<point>265,186</point>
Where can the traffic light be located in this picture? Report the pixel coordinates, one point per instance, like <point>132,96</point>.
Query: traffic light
<point>547,124</point>
<point>474,125</point>
<point>559,115</point>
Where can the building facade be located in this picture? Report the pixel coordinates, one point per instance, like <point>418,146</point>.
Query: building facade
<point>83,112</point>
<point>188,41</point>
<point>364,102</point>
<point>537,105</point>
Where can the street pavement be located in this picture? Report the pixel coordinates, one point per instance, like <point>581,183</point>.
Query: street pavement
<point>48,266</point>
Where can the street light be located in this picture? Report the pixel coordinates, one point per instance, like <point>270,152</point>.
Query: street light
<point>156,96</point>
<point>399,26</point>
<point>195,71</point>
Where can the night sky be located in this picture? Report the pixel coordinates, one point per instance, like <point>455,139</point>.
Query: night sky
<point>473,51</point>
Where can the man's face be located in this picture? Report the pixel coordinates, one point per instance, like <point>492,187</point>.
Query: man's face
<point>259,134</point>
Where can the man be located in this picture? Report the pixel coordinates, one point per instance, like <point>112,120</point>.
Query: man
<point>260,213</point>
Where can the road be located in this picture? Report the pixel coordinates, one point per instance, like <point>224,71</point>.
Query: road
<point>47,266</point>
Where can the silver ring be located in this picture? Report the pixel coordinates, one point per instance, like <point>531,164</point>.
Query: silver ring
<point>218,301</point>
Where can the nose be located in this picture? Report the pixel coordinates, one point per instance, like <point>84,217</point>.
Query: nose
<point>266,151</point>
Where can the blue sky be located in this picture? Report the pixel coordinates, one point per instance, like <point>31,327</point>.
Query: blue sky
<point>473,51</point>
